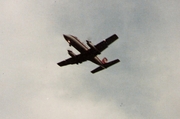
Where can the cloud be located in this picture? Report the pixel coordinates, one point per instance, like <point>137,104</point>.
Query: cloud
<point>143,85</point>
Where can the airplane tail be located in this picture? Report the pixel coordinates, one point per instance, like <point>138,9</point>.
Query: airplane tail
<point>106,65</point>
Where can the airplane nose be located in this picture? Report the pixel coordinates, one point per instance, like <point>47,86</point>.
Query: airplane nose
<point>65,36</point>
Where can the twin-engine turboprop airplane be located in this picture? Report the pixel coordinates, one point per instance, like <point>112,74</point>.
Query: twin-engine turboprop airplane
<point>89,53</point>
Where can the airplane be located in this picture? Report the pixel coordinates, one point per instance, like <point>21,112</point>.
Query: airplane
<point>88,53</point>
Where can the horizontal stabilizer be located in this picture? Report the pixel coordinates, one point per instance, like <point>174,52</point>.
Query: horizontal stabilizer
<point>106,65</point>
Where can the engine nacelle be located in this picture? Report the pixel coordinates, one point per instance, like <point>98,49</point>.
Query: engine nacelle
<point>89,43</point>
<point>71,53</point>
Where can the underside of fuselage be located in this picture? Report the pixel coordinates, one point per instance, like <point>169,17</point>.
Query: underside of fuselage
<point>74,41</point>
<point>83,49</point>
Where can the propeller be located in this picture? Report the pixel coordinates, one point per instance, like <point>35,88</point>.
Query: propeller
<point>89,39</point>
<point>69,49</point>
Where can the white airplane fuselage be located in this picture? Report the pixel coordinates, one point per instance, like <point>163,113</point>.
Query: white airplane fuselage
<point>77,44</point>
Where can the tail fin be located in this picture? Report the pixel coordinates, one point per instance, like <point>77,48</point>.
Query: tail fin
<point>104,60</point>
<point>106,65</point>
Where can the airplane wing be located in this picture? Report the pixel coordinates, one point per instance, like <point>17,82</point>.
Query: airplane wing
<point>104,44</point>
<point>106,65</point>
<point>67,62</point>
<point>73,60</point>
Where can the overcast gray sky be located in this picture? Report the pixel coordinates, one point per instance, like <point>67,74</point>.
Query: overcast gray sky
<point>144,85</point>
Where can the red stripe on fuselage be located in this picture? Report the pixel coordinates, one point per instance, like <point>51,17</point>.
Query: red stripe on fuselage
<point>76,43</point>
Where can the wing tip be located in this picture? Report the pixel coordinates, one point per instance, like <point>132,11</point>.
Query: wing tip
<point>118,60</point>
<point>60,64</point>
<point>115,35</point>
